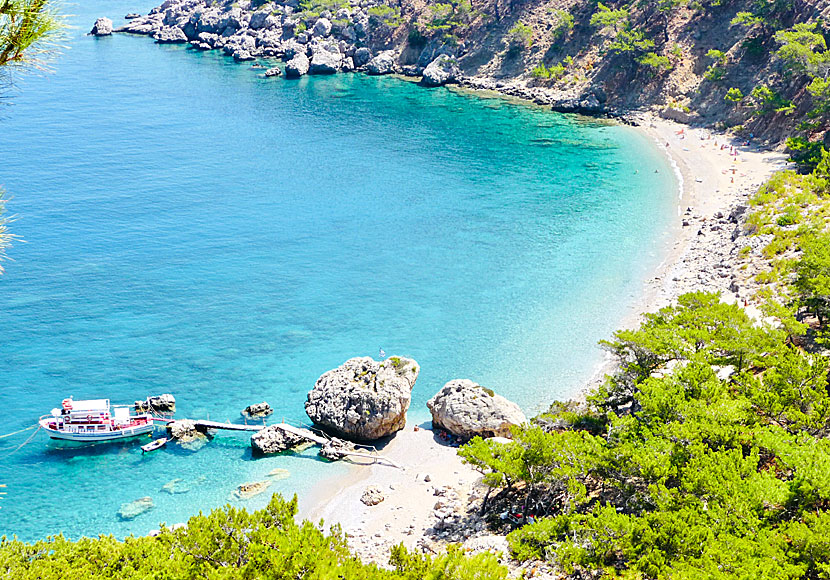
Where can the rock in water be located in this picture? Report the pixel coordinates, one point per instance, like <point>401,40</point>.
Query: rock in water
<point>273,439</point>
<point>133,509</point>
<point>249,490</point>
<point>273,72</point>
<point>444,69</point>
<point>102,27</point>
<point>160,404</point>
<point>257,410</point>
<point>175,486</point>
<point>297,66</point>
<point>364,399</point>
<point>372,496</point>
<point>279,473</point>
<point>186,434</point>
<point>467,409</point>
<point>132,16</point>
<point>382,64</point>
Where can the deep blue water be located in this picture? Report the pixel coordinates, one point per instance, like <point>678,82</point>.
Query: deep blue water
<point>193,228</point>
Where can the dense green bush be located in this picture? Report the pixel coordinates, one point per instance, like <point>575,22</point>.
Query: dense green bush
<point>231,544</point>
<point>703,456</point>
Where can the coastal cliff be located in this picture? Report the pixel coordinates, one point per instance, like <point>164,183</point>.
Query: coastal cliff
<point>717,64</point>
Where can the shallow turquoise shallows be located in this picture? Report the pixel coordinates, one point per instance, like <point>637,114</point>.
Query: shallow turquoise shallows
<point>191,227</point>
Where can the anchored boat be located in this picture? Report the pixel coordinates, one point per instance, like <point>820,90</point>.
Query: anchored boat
<point>95,420</point>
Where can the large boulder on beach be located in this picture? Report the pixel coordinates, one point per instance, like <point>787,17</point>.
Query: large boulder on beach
<point>102,27</point>
<point>297,66</point>
<point>382,64</point>
<point>326,59</point>
<point>466,409</point>
<point>364,399</point>
<point>444,69</point>
<point>274,439</point>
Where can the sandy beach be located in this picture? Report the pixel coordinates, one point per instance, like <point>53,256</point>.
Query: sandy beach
<point>717,174</point>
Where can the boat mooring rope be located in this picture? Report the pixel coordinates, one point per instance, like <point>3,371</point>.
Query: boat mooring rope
<point>16,432</point>
<point>19,447</point>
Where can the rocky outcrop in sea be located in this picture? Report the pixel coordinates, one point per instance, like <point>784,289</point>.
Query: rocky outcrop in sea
<point>257,410</point>
<point>102,27</point>
<point>363,399</point>
<point>274,439</point>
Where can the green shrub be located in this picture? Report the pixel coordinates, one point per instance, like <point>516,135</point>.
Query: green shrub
<point>734,94</point>
<point>520,37</point>
<point>656,62</point>
<point>383,14</point>
<point>563,24</point>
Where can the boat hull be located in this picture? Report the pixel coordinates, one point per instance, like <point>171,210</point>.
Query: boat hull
<point>103,436</point>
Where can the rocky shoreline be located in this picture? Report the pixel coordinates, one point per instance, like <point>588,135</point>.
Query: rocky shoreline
<point>350,40</point>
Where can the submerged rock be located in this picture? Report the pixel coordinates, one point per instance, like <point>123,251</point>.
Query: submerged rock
<point>176,486</point>
<point>133,509</point>
<point>257,410</point>
<point>444,69</point>
<point>467,409</point>
<point>102,27</point>
<point>249,490</point>
<point>278,474</point>
<point>274,439</point>
<point>181,485</point>
<point>364,399</point>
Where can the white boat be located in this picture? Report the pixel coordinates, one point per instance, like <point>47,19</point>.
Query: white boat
<point>95,420</point>
<point>153,445</point>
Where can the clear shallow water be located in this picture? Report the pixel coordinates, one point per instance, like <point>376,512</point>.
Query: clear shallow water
<point>195,229</point>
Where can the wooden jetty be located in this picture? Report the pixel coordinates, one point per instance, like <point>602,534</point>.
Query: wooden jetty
<point>202,425</point>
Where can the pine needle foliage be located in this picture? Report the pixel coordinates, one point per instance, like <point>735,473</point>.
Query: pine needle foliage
<point>28,29</point>
<point>705,455</point>
<point>231,544</point>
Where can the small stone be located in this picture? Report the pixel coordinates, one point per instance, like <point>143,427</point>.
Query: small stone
<point>372,496</point>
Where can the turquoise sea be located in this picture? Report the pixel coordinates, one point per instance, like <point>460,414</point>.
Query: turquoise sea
<point>191,227</point>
